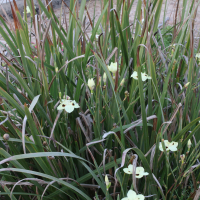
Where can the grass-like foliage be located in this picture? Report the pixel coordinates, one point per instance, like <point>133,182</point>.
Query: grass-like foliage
<point>111,113</point>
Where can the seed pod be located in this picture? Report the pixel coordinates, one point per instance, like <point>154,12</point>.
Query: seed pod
<point>51,157</point>
<point>6,136</point>
<point>126,93</point>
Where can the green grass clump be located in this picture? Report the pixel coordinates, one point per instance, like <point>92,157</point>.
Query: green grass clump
<point>78,107</point>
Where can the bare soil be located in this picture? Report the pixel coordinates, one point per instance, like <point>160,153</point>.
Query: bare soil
<point>96,5</point>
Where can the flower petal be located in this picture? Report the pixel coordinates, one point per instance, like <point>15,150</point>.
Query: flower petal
<point>145,173</point>
<point>126,198</point>
<point>130,167</point>
<point>127,171</point>
<point>61,106</point>
<point>160,146</point>
<point>131,194</point>
<point>140,197</point>
<point>173,148</point>
<point>139,170</point>
<point>144,77</point>
<point>175,144</point>
<point>69,108</point>
<point>135,75</point>
<point>139,175</point>
<point>166,143</point>
<point>64,100</point>
<point>74,104</point>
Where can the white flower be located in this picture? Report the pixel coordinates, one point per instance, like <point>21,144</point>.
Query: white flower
<point>128,170</point>
<point>143,75</point>
<point>139,171</point>
<point>167,143</point>
<point>91,83</point>
<point>172,146</point>
<point>28,9</point>
<point>131,195</point>
<point>104,77</point>
<point>68,105</point>
<point>113,67</point>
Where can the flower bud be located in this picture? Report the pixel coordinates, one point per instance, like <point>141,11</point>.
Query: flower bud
<point>108,184</point>
<point>59,94</point>
<point>113,67</point>
<point>65,97</point>
<point>186,85</point>
<point>104,78</point>
<point>122,82</point>
<point>106,179</point>
<point>189,144</point>
<point>91,84</point>
<point>182,158</point>
<point>126,93</point>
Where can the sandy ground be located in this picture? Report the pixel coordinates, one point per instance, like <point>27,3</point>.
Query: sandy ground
<point>170,14</point>
<point>20,4</point>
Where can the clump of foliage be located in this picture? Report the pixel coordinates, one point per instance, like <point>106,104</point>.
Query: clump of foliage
<point>111,113</point>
